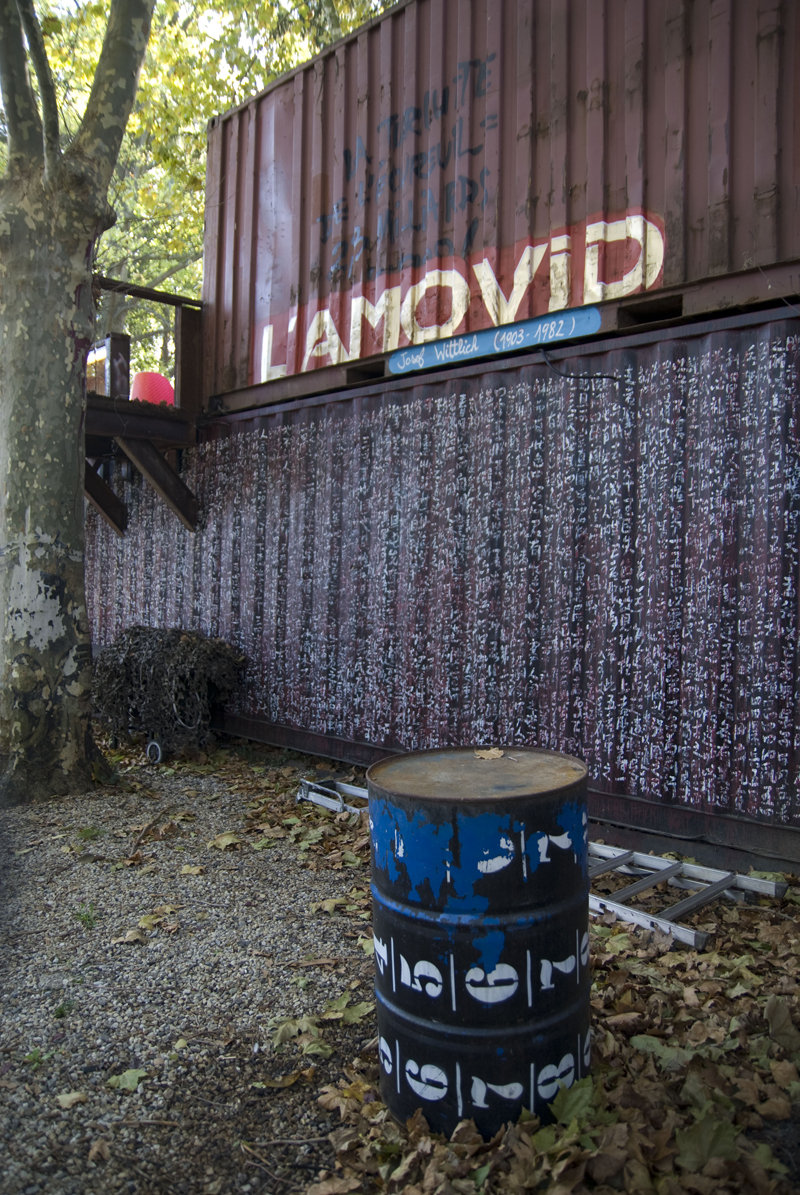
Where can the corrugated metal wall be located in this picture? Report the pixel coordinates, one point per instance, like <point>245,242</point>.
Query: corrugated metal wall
<point>609,569</point>
<point>541,153</point>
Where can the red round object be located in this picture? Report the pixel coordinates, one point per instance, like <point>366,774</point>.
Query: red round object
<point>152,387</point>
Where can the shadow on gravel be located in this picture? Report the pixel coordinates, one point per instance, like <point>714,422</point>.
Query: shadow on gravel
<point>216,1135</point>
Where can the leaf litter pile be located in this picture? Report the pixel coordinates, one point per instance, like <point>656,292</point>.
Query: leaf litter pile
<point>694,1084</point>
<point>695,1068</point>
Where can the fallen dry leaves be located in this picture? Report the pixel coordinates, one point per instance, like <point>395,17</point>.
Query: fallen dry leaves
<point>128,1081</point>
<point>99,1149</point>
<point>130,937</point>
<point>287,1080</point>
<point>323,837</point>
<point>694,1053</point>
<point>226,842</point>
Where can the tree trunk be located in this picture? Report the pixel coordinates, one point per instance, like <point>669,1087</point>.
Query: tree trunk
<point>46,319</point>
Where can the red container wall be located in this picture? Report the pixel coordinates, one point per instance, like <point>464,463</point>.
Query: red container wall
<point>606,567</point>
<point>463,163</point>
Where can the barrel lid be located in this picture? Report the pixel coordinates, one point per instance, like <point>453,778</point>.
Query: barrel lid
<point>466,774</point>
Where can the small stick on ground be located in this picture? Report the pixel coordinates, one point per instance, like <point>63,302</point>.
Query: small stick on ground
<point>290,1141</point>
<point>170,1124</point>
<point>261,1164</point>
<point>149,827</point>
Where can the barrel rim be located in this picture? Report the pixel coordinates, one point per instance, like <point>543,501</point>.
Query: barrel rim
<point>376,788</point>
<point>532,1029</point>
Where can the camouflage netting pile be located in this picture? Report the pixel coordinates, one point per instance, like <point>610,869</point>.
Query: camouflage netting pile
<point>164,684</point>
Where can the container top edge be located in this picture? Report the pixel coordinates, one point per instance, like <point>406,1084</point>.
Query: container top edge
<point>280,80</point>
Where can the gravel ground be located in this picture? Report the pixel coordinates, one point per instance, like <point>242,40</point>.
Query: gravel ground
<point>79,1006</point>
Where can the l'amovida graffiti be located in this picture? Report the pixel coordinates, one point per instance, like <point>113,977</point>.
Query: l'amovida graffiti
<point>615,258</point>
<point>402,251</point>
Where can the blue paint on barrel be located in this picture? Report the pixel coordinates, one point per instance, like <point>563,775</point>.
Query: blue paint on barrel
<point>448,860</point>
<point>480,914</point>
<point>574,820</point>
<point>489,947</point>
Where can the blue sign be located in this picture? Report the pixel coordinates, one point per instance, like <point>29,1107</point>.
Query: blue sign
<point>530,334</point>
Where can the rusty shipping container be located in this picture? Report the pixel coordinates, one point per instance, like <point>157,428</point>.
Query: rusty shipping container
<point>604,564</point>
<point>461,164</point>
<point>595,552</point>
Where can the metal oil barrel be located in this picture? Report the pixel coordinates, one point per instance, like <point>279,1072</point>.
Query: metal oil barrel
<point>481,919</point>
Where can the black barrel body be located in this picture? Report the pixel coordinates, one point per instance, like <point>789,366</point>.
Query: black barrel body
<point>481,919</point>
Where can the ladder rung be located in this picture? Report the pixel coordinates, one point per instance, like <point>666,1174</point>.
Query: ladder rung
<point>610,864</point>
<point>648,881</point>
<point>703,897</point>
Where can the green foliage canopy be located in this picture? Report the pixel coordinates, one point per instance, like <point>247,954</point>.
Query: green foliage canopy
<point>200,61</point>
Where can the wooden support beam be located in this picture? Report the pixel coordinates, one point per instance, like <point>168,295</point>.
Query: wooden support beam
<point>98,446</point>
<point>138,420</point>
<point>189,361</point>
<point>163,478</point>
<point>104,500</point>
<point>144,292</point>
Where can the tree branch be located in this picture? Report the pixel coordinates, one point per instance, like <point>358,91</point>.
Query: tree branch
<point>44,75</point>
<point>22,115</point>
<point>97,142</point>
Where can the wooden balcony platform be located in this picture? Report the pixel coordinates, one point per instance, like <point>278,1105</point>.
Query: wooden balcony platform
<point>143,431</point>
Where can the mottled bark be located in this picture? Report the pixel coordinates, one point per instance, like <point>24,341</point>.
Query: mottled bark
<point>23,121</point>
<point>52,209</point>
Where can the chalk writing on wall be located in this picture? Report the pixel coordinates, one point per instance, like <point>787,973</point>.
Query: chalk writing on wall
<point>608,569</point>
